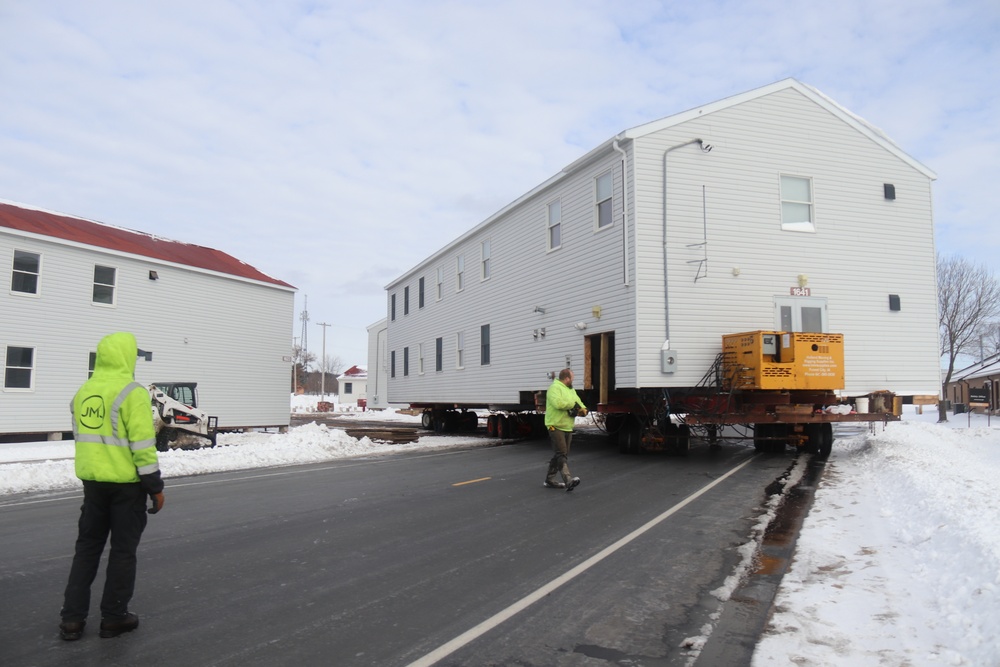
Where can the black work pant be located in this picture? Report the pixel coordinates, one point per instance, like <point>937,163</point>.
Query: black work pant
<point>118,510</point>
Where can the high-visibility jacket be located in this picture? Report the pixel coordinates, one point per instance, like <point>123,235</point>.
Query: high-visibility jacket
<point>113,420</point>
<point>559,400</point>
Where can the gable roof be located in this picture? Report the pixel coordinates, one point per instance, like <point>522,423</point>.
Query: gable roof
<point>860,124</point>
<point>354,372</point>
<point>76,230</point>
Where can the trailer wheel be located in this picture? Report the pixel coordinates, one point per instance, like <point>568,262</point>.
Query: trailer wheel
<point>826,441</point>
<point>629,438</point>
<point>760,432</point>
<point>491,425</point>
<point>503,427</point>
<point>427,419</point>
<point>814,438</point>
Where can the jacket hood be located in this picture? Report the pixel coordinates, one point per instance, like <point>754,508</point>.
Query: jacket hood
<point>116,354</point>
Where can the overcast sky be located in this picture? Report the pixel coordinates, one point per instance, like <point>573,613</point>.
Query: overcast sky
<point>334,145</point>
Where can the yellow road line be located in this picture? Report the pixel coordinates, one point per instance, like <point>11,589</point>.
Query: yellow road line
<point>472,481</point>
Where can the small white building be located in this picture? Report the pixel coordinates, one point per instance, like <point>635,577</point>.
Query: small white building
<point>776,209</point>
<point>353,385</point>
<point>206,317</point>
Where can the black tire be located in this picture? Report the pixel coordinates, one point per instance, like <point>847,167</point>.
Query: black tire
<point>163,440</point>
<point>760,432</point>
<point>826,441</point>
<point>504,427</point>
<point>814,437</point>
<point>427,419</point>
<point>491,425</point>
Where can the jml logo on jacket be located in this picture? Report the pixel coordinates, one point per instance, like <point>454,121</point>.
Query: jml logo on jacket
<point>112,417</point>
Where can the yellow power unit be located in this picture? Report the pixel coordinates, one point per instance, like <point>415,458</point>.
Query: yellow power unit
<point>783,360</point>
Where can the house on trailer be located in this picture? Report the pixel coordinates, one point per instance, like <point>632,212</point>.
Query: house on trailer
<point>773,210</point>
<point>353,385</point>
<point>205,316</point>
<point>976,386</point>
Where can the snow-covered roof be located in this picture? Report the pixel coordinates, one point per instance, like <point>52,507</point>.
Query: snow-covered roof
<point>983,369</point>
<point>74,230</point>
<point>354,373</point>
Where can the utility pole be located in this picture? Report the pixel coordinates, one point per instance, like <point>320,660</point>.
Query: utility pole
<point>322,363</point>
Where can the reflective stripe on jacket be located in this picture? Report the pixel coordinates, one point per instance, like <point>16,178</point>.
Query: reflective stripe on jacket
<point>559,400</point>
<point>113,419</point>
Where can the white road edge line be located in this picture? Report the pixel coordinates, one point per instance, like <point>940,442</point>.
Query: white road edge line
<point>474,633</point>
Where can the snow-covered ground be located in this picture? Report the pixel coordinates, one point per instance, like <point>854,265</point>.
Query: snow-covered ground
<point>898,563</point>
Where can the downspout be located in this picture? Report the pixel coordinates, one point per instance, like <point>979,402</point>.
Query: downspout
<point>668,359</point>
<point>625,275</point>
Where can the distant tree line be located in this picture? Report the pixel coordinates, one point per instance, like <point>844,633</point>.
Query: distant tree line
<point>307,374</point>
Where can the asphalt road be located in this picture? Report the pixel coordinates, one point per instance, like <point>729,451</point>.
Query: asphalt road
<point>396,560</point>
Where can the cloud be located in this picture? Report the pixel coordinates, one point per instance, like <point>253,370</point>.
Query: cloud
<point>334,145</point>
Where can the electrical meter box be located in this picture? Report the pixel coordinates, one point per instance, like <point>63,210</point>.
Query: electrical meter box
<point>783,360</point>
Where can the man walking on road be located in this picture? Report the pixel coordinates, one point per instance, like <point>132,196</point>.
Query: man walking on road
<point>562,406</point>
<point>117,462</point>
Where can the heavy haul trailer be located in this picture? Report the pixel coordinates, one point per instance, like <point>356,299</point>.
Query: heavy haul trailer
<point>783,385</point>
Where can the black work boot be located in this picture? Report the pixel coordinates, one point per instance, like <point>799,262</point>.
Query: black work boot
<point>112,627</point>
<point>71,630</point>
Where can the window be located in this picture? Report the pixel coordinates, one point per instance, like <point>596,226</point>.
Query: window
<point>406,361</point>
<point>800,313</point>
<point>348,387</point>
<point>438,354</point>
<point>420,358</point>
<point>485,254</point>
<point>604,186</point>
<point>555,225</point>
<point>104,284</point>
<point>420,293</point>
<point>392,307</point>
<point>460,350</point>
<point>796,204</point>
<point>440,283</point>
<point>90,365</point>
<point>484,345</point>
<point>406,300</point>
<point>27,266</point>
<point>392,364</point>
<point>19,366</point>
<point>460,274</point>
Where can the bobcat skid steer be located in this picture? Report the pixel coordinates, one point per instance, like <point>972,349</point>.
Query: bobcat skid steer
<point>178,421</point>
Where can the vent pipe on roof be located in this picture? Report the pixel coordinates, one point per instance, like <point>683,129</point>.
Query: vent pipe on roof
<point>668,358</point>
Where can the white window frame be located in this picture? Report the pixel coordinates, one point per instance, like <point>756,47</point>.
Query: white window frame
<point>460,350</point>
<point>484,255</point>
<point>113,286</point>
<point>8,368</point>
<point>460,273</point>
<point>553,224</point>
<point>789,202</point>
<point>438,354</point>
<point>406,361</point>
<point>485,349</point>
<point>14,271</point>
<point>608,179</point>
<point>420,358</point>
<point>440,283</point>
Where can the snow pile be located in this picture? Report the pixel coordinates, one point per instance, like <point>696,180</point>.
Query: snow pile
<point>898,562</point>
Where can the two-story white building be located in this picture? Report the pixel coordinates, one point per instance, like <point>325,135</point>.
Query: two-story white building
<point>206,317</point>
<point>776,209</point>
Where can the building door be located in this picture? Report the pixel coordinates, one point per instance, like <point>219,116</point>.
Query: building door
<point>599,364</point>
<point>800,313</point>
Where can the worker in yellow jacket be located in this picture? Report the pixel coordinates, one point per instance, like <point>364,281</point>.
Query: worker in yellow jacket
<point>562,406</point>
<point>116,460</point>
